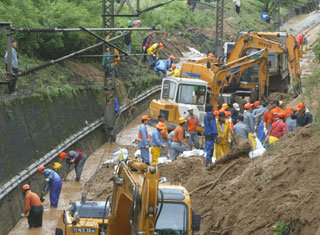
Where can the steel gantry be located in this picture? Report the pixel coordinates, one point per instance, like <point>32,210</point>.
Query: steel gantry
<point>219,29</point>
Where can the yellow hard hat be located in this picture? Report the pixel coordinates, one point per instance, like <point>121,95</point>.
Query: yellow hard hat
<point>225,106</point>
<point>182,120</point>
<point>281,102</point>
<point>56,166</point>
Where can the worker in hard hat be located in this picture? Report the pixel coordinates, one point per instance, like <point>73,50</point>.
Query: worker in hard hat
<point>164,134</point>
<point>54,184</point>
<point>144,139</point>
<point>274,113</point>
<point>249,121</point>
<point>33,207</point>
<point>225,106</point>
<point>170,61</point>
<point>192,123</point>
<point>156,142</point>
<point>162,66</point>
<point>114,65</point>
<point>179,144</point>
<point>106,61</point>
<point>304,117</point>
<point>278,129</point>
<point>210,133</point>
<point>153,53</point>
<point>175,72</point>
<point>235,112</point>
<point>221,145</point>
<point>74,157</point>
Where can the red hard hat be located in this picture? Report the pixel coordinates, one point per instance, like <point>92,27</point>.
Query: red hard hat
<point>174,66</point>
<point>256,103</point>
<point>145,117</point>
<point>248,106</point>
<point>161,45</point>
<point>62,155</point>
<point>172,57</point>
<point>160,126</point>
<point>210,54</point>
<point>40,168</point>
<point>300,106</point>
<point>282,114</point>
<point>25,187</point>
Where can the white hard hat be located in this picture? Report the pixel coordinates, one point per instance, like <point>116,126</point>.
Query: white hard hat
<point>190,107</point>
<point>236,106</point>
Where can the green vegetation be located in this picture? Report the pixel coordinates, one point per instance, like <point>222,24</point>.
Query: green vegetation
<point>35,48</point>
<point>316,49</point>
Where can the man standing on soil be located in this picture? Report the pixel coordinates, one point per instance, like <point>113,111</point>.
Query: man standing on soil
<point>179,144</point>
<point>248,120</point>
<point>76,157</point>
<point>192,123</point>
<point>240,128</point>
<point>54,184</point>
<point>33,206</point>
<point>278,129</point>
<point>14,59</point>
<point>164,135</point>
<point>304,117</point>
<point>153,53</point>
<point>145,45</point>
<point>221,145</point>
<point>210,133</point>
<point>156,142</point>
<point>143,139</point>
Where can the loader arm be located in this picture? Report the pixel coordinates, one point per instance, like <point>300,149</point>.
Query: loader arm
<point>134,199</point>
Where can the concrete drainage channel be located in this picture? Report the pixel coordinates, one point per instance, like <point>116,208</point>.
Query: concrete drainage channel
<point>87,140</point>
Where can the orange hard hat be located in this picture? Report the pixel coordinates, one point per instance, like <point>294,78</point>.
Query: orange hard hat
<point>216,113</point>
<point>174,66</point>
<point>161,45</point>
<point>107,49</point>
<point>172,57</point>
<point>248,106</point>
<point>62,155</point>
<point>40,168</point>
<point>300,106</point>
<point>145,117</point>
<point>160,125</point>
<point>25,187</point>
<point>256,103</point>
<point>210,54</point>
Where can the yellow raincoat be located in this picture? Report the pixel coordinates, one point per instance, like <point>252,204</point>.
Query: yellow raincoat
<point>154,49</point>
<point>175,73</point>
<point>222,147</point>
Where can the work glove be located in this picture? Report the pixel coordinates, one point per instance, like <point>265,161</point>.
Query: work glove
<point>144,48</point>
<point>154,55</point>
<point>265,130</point>
<point>23,215</point>
<point>254,135</point>
<point>71,161</point>
<point>255,128</point>
<point>47,179</point>
<point>229,140</point>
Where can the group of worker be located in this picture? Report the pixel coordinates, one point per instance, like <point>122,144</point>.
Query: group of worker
<point>33,203</point>
<point>302,43</point>
<point>265,122</point>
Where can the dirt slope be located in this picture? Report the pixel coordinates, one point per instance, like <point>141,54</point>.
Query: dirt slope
<point>256,193</point>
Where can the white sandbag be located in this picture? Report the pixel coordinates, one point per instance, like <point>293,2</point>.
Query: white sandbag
<point>192,153</point>
<point>121,154</point>
<point>137,153</point>
<point>258,151</point>
<point>163,160</point>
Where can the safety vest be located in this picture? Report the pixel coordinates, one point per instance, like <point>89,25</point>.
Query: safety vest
<point>275,114</point>
<point>140,136</point>
<point>192,123</point>
<point>77,159</point>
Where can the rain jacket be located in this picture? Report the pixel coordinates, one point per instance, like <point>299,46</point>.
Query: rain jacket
<point>175,73</point>
<point>14,58</point>
<point>154,50</point>
<point>156,139</point>
<point>210,126</point>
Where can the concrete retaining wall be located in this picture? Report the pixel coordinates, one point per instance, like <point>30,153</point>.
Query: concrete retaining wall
<point>34,126</point>
<point>305,9</point>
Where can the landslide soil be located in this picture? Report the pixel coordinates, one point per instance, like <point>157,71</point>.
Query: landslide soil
<point>253,194</point>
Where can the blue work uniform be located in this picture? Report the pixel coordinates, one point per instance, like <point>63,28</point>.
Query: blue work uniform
<point>210,133</point>
<point>78,158</point>
<point>54,185</point>
<point>161,66</point>
<point>143,143</point>
<point>156,139</point>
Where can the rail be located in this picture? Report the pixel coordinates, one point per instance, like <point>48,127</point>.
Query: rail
<point>6,188</point>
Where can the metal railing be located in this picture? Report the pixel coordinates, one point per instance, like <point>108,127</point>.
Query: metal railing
<point>32,169</point>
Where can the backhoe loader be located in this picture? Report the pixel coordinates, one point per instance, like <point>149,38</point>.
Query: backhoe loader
<point>200,85</point>
<point>139,205</point>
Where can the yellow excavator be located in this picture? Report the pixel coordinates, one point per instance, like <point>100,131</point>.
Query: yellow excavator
<point>200,85</point>
<point>140,204</point>
<point>283,57</point>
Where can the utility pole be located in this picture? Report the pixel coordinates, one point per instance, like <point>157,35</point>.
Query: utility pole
<point>219,29</point>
